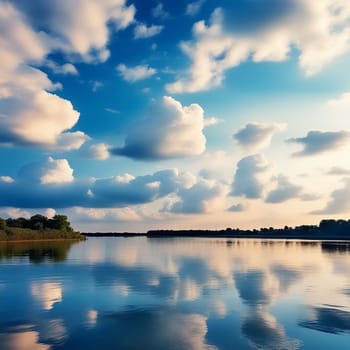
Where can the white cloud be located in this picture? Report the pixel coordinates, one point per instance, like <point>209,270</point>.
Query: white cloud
<point>126,214</point>
<point>50,184</point>
<point>170,130</point>
<point>141,31</point>
<point>30,114</point>
<point>57,171</point>
<point>99,151</point>
<point>204,196</point>
<point>65,69</point>
<point>69,141</point>
<point>284,191</point>
<point>316,142</point>
<point>15,213</point>
<point>256,135</point>
<point>7,179</point>
<point>212,121</point>
<point>339,202</point>
<point>159,12</point>
<point>236,208</point>
<point>193,8</point>
<point>132,74</point>
<point>50,213</point>
<point>342,100</point>
<point>319,30</point>
<point>96,85</point>
<point>246,180</point>
<point>81,26</point>
<point>48,171</point>
<point>18,41</point>
<point>39,119</point>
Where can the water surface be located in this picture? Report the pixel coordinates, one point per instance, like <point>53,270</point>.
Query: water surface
<point>177,293</point>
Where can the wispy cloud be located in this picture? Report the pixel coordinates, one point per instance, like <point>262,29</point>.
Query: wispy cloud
<point>142,31</point>
<point>133,74</point>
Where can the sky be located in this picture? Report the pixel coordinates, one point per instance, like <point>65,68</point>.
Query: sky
<point>151,114</point>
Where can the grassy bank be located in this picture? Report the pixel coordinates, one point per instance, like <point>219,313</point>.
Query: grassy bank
<point>37,228</point>
<point>27,234</point>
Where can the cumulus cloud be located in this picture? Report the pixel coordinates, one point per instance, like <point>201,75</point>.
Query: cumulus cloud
<point>266,31</point>
<point>50,213</point>
<point>39,119</point>
<point>31,114</point>
<point>132,74</point>
<point>141,31</point>
<point>50,184</point>
<point>246,181</point>
<point>99,151</point>
<point>121,192</point>
<point>284,191</point>
<point>170,130</point>
<point>78,27</point>
<point>19,44</point>
<point>48,171</point>
<point>204,196</point>
<point>339,202</point>
<point>316,142</point>
<point>256,135</point>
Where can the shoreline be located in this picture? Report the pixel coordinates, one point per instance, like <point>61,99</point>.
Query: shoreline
<point>189,234</point>
<point>42,240</point>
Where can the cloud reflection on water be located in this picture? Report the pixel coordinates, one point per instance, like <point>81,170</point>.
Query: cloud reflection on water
<point>185,293</point>
<point>22,338</point>
<point>327,319</point>
<point>48,293</point>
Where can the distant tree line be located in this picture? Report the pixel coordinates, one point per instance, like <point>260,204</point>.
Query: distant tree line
<point>38,222</point>
<point>328,228</point>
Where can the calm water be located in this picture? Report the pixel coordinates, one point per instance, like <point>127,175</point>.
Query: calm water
<point>139,293</point>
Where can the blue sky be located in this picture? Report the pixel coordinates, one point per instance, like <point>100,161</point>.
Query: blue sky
<point>132,115</point>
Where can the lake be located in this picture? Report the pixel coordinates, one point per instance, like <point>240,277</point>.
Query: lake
<point>174,293</point>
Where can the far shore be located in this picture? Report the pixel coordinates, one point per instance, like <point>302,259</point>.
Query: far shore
<point>327,230</point>
<point>218,235</point>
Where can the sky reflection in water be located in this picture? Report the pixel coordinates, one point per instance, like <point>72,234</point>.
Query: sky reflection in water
<point>139,293</point>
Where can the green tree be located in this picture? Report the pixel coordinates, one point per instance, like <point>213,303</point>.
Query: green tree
<point>2,224</point>
<point>19,222</point>
<point>38,222</point>
<point>60,222</point>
